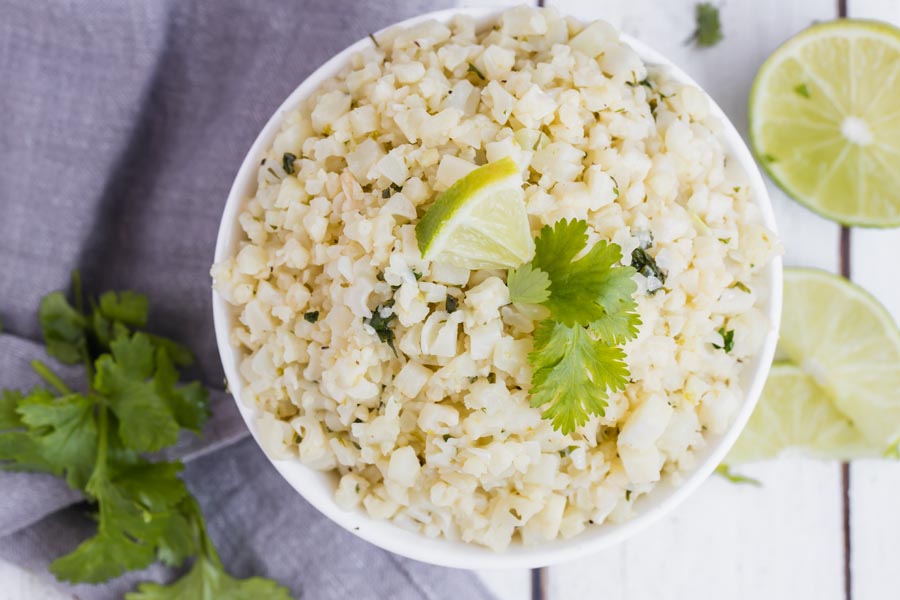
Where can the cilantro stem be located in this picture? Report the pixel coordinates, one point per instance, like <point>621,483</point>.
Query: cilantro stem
<point>78,294</point>
<point>50,377</point>
<point>204,543</point>
<point>102,435</point>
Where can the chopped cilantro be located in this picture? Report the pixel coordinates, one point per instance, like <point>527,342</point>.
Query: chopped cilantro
<point>389,191</point>
<point>726,472</point>
<point>709,29</point>
<point>311,316</point>
<point>451,304</point>
<point>646,264</point>
<point>727,340</point>
<point>287,162</point>
<point>382,324</point>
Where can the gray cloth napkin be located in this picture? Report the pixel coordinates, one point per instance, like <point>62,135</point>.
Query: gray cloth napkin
<point>122,124</point>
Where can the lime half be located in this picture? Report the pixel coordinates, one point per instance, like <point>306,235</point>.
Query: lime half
<point>849,344</point>
<point>794,413</point>
<point>825,121</point>
<point>480,222</point>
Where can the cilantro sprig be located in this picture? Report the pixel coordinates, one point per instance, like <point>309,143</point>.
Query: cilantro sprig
<point>132,404</point>
<point>577,359</point>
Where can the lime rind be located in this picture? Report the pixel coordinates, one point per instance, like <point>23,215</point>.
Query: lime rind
<point>866,196</point>
<point>480,222</point>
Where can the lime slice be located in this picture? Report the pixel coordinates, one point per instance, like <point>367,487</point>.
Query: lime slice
<point>825,121</point>
<point>794,413</point>
<point>480,222</point>
<point>842,337</point>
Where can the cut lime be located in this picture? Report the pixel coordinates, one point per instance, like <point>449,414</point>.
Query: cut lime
<point>825,121</point>
<point>842,337</point>
<point>480,222</point>
<point>794,413</point>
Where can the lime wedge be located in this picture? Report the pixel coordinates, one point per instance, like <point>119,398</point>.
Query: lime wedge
<point>480,222</point>
<point>849,344</point>
<point>795,414</point>
<point>825,121</point>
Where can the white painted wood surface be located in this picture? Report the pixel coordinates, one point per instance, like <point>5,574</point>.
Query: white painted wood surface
<point>734,542</point>
<point>875,485</point>
<point>783,540</point>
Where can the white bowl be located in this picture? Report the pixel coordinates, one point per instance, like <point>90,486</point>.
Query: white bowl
<point>318,487</point>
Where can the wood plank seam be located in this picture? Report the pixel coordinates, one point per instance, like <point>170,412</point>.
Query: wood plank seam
<point>845,467</point>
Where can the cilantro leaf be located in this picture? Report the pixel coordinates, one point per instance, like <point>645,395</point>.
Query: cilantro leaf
<point>127,308</point>
<point>134,404</point>
<point>573,374</point>
<point>19,451</point>
<point>709,29</point>
<point>64,433</point>
<point>583,290</point>
<point>528,285</point>
<point>9,416</point>
<point>177,540</point>
<point>188,403</point>
<point>135,507</point>
<point>146,422</point>
<point>618,326</point>
<point>208,581</point>
<point>63,328</point>
<point>179,353</point>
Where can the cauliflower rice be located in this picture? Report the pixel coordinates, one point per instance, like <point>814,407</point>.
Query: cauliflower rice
<point>440,438</point>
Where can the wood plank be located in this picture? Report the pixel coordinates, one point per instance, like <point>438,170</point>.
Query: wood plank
<point>508,584</point>
<point>783,540</point>
<point>875,485</point>
<point>779,541</point>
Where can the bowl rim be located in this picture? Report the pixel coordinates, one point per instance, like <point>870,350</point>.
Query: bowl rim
<point>440,551</point>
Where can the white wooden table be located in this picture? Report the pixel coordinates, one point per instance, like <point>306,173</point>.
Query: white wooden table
<point>789,539</point>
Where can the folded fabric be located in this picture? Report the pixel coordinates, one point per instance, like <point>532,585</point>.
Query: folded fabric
<point>123,126</point>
